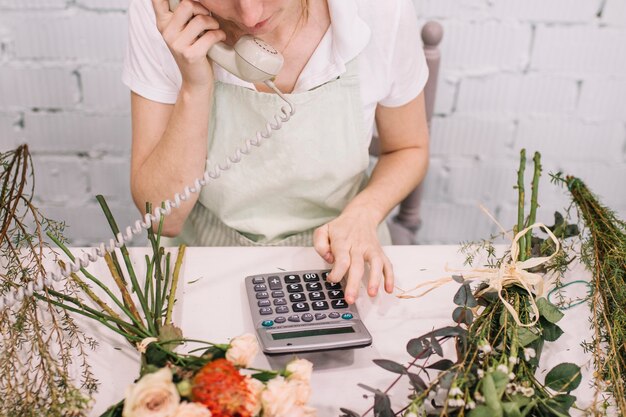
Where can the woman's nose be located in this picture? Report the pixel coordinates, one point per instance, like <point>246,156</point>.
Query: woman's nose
<point>251,12</point>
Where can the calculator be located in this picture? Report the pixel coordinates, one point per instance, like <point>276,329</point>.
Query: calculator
<point>300,311</point>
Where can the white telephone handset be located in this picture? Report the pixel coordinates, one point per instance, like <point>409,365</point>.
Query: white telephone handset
<point>251,59</point>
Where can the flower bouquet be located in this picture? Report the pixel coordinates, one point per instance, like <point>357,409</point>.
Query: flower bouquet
<point>502,322</point>
<point>208,379</point>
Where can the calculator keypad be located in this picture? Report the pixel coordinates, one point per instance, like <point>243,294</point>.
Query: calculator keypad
<point>301,297</point>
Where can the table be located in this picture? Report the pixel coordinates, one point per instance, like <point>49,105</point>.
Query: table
<point>212,306</point>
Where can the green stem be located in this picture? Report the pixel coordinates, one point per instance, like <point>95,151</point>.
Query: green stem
<point>116,320</point>
<point>129,265</point>
<point>534,202</point>
<point>96,281</point>
<point>520,203</point>
<point>172,296</point>
<point>91,316</point>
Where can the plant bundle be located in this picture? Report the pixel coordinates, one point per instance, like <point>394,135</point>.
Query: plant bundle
<point>502,323</point>
<point>38,342</point>
<point>604,253</point>
<point>210,380</point>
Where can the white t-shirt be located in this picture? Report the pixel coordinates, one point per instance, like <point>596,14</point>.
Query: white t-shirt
<point>383,34</point>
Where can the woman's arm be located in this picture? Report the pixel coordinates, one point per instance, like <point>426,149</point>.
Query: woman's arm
<point>350,241</point>
<point>169,147</point>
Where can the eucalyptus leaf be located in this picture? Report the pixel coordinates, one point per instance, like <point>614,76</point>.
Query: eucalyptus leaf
<point>464,296</point>
<point>391,366</point>
<point>458,278</point>
<point>419,348</point>
<point>382,405</point>
<point>548,310</point>
<point>368,388</point>
<point>564,377</point>
<point>417,382</point>
<point>462,315</point>
<point>435,346</point>
<point>441,365</point>
<point>348,413</point>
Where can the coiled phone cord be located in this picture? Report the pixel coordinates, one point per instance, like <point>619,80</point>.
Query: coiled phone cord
<point>101,250</point>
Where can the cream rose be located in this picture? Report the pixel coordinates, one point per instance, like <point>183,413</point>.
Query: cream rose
<point>278,397</point>
<point>154,395</point>
<point>303,391</point>
<point>256,388</point>
<point>299,370</point>
<point>192,410</point>
<point>242,350</point>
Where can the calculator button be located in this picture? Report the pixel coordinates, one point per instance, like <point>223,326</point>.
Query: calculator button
<point>280,302</point>
<point>295,318</point>
<point>310,277</point>
<point>313,286</point>
<point>264,303</point>
<point>320,316</point>
<point>334,315</point>
<point>278,294</point>
<point>296,297</point>
<point>265,311</point>
<point>335,294</point>
<point>292,279</point>
<point>307,317</point>
<point>258,280</point>
<point>294,288</point>
<point>260,287</point>
<point>280,319</point>
<point>320,305</point>
<point>268,323</point>
<point>261,295</point>
<point>325,275</point>
<point>282,309</point>
<point>300,307</point>
<point>339,304</point>
<point>317,295</point>
<point>274,282</point>
<point>332,285</point>
<point>347,316</point>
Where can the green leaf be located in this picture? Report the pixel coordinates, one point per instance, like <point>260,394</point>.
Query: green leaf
<point>526,336</point>
<point>564,377</point>
<point>550,331</point>
<point>481,411</point>
<point>564,401</point>
<point>462,315</point>
<point>511,410</point>
<point>391,366</point>
<point>435,346</point>
<point>264,376</point>
<point>548,310</point>
<point>382,405</point>
<point>464,296</point>
<point>492,399</point>
<point>155,356</point>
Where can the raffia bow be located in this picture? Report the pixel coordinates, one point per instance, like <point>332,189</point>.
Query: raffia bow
<point>510,272</point>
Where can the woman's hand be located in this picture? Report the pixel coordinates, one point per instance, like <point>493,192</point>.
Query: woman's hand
<point>349,242</point>
<point>189,32</point>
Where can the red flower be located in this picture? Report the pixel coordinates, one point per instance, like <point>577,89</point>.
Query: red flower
<point>220,387</point>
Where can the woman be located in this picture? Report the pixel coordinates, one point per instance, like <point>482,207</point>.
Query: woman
<point>347,63</point>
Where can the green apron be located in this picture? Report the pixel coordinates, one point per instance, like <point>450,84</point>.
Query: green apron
<point>300,178</point>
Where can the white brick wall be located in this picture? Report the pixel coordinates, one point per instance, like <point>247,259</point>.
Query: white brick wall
<point>548,75</point>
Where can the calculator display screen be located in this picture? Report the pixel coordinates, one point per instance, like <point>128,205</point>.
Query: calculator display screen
<point>313,332</point>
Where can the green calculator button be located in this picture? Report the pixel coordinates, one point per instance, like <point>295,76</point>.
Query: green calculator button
<point>347,316</point>
<point>269,323</point>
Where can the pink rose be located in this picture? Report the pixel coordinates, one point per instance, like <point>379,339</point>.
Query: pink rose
<point>256,388</point>
<point>282,398</point>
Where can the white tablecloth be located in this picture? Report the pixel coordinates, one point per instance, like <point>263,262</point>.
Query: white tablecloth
<point>212,306</point>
